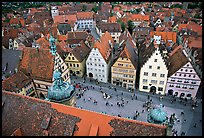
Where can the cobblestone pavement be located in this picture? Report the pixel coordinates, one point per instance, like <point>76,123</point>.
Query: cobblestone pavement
<point>129,108</point>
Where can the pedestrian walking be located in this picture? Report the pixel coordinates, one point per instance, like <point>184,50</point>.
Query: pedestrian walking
<point>184,121</point>
<point>182,133</point>
<point>195,125</point>
<point>148,97</point>
<point>84,99</point>
<point>142,111</point>
<point>182,113</point>
<point>122,93</point>
<point>135,97</point>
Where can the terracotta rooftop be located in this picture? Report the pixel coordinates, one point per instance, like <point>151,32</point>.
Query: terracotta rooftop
<point>15,82</point>
<point>135,17</point>
<point>81,51</point>
<point>84,15</point>
<point>65,18</point>
<point>112,19</point>
<point>34,117</point>
<point>165,35</point>
<point>38,117</point>
<point>43,42</point>
<point>177,60</point>
<point>196,43</point>
<point>104,46</point>
<point>38,63</point>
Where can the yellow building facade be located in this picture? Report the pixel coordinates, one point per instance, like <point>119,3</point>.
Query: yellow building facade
<point>75,66</point>
<point>123,73</point>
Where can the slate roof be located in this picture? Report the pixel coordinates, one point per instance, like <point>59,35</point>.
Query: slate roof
<point>12,58</point>
<point>81,51</point>
<point>110,27</point>
<point>129,52</point>
<point>38,117</point>
<point>64,28</point>
<point>15,82</point>
<point>37,63</point>
<point>177,61</point>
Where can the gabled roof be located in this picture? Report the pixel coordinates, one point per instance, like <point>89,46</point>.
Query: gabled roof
<point>65,18</point>
<point>84,15</point>
<point>129,52</point>
<point>43,42</point>
<point>146,52</point>
<point>110,27</point>
<point>177,61</point>
<point>81,51</point>
<point>38,117</point>
<point>112,19</point>
<point>104,46</point>
<point>165,35</point>
<point>38,63</point>
<point>15,82</point>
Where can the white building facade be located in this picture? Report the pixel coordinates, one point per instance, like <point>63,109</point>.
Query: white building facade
<point>153,74</point>
<point>54,11</point>
<point>183,83</point>
<point>96,66</point>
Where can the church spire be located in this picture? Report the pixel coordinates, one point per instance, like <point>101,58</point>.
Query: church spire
<point>52,45</point>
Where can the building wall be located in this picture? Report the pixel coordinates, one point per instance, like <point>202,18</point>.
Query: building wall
<point>75,66</point>
<point>28,90</point>
<point>82,24</point>
<point>97,66</point>
<point>115,36</point>
<point>183,81</point>
<point>59,63</point>
<point>123,73</point>
<point>145,68</point>
<point>54,11</point>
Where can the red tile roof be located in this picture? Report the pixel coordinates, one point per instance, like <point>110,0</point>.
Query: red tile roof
<point>196,43</point>
<point>14,21</point>
<point>15,82</point>
<point>43,42</point>
<point>38,63</point>
<point>65,18</point>
<point>84,15</point>
<point>104,47</point>
<point>66,120</point>
<point>165,35</point>
<point>135,17</point>
<point>112,19</point>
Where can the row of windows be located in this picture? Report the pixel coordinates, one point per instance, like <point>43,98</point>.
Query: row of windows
<point>66,76</point>
<point>96,69</point>
<point>86,22</point>
<point>186,70</point>
<point>70,58</point>
<point>95,59</point>
<point>154,74</point>
<point>150,67</point>
<point>74,65</point>
<point>186,81</point>
<point>29,90</point>
<point>95,64</point>
<point>153,81</point>
<point>184,75</point>
<point>159,88</point>
<point>181,86</point>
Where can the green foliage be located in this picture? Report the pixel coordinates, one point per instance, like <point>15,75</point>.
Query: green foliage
<point>176,6</point>
<point>123,26</point>
<point>95,9</point>
<point>84,7</point>
<point>111,14</point>
<point>195,5</point>
<point>130,26</point>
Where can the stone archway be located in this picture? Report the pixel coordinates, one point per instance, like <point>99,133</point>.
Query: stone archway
<point>170,92</point>
<point>91,75</point>
<point>152,89</point>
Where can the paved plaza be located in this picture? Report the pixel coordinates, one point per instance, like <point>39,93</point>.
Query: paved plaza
<point>131,105</point>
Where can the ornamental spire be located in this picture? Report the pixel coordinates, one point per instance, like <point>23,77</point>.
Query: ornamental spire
<point>52,45</point>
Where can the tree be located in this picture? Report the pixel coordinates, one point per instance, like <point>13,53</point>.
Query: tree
<point>95,9</point>
<point>84,7</point>
<point>130,26</point>
<point>123,26</point>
